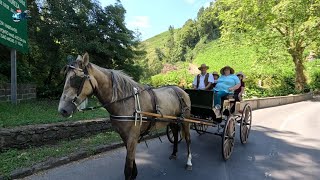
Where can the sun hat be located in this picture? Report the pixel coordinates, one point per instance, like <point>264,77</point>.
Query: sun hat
<point>203,66</point>
<point>216,73</point>
<point>227,67</point>
<point>241,73</point>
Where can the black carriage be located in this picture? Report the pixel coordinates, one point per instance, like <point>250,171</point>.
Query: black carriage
<point>232,113</point>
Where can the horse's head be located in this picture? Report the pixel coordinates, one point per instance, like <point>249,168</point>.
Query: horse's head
<point>79,84</point>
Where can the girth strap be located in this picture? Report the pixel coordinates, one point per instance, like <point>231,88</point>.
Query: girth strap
<point>183,105</point>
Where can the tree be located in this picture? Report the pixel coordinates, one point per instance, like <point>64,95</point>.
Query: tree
<point>170,45</point>
<point>291,24</point>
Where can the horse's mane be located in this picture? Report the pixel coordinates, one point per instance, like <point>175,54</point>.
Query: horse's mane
<point>122,85</point>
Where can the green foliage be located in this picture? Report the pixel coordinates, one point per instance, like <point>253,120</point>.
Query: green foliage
<point>181,78</point>
<point>292,25</point>
<point>71,27</point>
<point>314,74</point>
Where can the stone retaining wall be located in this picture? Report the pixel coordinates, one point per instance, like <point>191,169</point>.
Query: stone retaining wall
<point>37,135</point>
<point>260,103</point>
<point>24,92</point>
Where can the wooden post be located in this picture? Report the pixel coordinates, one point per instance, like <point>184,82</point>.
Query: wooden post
<point>13,76</point>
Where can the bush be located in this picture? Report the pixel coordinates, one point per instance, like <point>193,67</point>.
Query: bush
<point>315,79</point>
<point>181,78</point>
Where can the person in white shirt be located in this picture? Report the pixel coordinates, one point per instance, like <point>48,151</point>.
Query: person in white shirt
<point>204,80</point>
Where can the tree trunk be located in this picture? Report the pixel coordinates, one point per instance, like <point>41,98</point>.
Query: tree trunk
<point>300,79</point>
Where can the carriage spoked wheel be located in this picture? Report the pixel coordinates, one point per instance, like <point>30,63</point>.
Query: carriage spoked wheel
<point>200,128</point>
<point>170,135</point>
<point>228,137</point>
<point>245,125</point>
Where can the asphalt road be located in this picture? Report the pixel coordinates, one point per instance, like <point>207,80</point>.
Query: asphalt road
<point>284,144</point>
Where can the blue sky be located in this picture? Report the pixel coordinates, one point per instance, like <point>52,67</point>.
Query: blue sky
<point>152,17</point>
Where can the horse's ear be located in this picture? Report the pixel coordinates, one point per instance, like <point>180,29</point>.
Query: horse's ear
<point>79,58</point>
<point>85,59</point>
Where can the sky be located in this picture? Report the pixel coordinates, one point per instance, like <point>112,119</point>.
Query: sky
<point>152,17</point>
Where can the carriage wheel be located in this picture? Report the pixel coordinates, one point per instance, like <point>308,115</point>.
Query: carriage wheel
<point>228,137</point>
<point>170,135</point>
<point>245,125</point>
<point>200,128</point>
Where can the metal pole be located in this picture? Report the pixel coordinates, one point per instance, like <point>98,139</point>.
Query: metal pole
<point>13,76</point>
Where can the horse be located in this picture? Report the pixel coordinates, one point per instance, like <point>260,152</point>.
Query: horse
<point>122,97</point>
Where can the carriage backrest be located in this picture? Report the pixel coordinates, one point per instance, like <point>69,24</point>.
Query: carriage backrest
<point>200,98</point>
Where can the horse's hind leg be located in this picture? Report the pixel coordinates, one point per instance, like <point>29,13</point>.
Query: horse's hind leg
<point>186,129</point>
<point>130,170</point>
<point>175,131</point>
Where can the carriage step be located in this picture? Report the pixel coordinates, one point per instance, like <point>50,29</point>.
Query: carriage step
<point>218,134</point>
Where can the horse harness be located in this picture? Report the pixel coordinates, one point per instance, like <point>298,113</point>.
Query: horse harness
<point>136,115</point>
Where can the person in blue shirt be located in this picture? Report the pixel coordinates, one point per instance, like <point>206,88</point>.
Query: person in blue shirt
<point>226,84</point>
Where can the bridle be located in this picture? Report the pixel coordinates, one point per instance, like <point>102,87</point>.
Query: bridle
<point>83,80</point>
<point>87,77</point>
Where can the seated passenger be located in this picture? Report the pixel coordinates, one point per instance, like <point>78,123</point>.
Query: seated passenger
<point>204,80</point>
<point>226,84</point>
<point>239,92</point>
<point>216,76</point>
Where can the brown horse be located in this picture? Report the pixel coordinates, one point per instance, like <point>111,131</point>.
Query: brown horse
<point>116,92</point>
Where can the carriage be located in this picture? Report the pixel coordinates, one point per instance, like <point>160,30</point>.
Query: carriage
<point>204,117</point>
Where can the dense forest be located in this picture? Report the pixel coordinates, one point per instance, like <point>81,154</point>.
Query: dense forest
<point>267,40</point>
<point>60,30</point>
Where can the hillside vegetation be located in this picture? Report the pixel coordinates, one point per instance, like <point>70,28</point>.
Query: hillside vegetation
<point>268,64</point>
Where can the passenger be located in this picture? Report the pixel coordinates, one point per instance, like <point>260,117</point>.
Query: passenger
<point>239,92</point>
<point>226,84</point>
<point>216,76</point>
<point>204,80</point>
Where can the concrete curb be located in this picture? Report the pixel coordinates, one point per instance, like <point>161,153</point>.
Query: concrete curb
<point>55,162</point>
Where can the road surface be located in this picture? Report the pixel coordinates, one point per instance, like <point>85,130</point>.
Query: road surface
<point>284,144</point>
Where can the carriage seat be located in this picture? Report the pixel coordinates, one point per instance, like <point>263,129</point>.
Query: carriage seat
<point>229,97</point>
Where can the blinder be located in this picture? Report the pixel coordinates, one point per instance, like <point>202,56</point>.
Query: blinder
<point>77,82</point>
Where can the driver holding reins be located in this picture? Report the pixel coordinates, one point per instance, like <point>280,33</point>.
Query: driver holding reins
<point>204,80</point>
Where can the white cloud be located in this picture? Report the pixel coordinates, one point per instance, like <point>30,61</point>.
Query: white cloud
<point>140,22</point>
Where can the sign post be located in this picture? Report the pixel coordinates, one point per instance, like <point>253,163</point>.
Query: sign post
<point>13,35</point>
<point>13,76</point>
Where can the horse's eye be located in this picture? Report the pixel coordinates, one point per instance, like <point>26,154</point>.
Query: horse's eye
<point>75,81</point>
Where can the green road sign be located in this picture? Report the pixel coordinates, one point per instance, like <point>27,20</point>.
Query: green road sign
<point>13,34</point>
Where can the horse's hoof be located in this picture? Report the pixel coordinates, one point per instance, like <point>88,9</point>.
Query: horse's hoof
<point>174,157</point>
<point>188,167</point>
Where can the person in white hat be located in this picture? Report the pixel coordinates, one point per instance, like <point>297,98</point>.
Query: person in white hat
<point>239,92</point>
<point>204,80</point>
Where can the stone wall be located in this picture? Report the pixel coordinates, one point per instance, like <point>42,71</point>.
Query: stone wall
<point>37,135</point>
<point>24,92</point>
<point>260,103</point>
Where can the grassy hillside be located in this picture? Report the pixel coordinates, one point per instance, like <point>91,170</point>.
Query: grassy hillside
<point>275,73</point>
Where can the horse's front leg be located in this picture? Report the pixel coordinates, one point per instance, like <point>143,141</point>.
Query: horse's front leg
<point>130,169</point>
<point>186,129</point>
<point>175,131</point>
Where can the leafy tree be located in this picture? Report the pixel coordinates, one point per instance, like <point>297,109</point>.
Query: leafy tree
<point>290,24</point>
<point>208,23</point>
<point>170,45</point>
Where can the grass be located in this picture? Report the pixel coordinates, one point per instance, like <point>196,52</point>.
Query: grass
<point>41,112</point>
<point>14,159</point>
